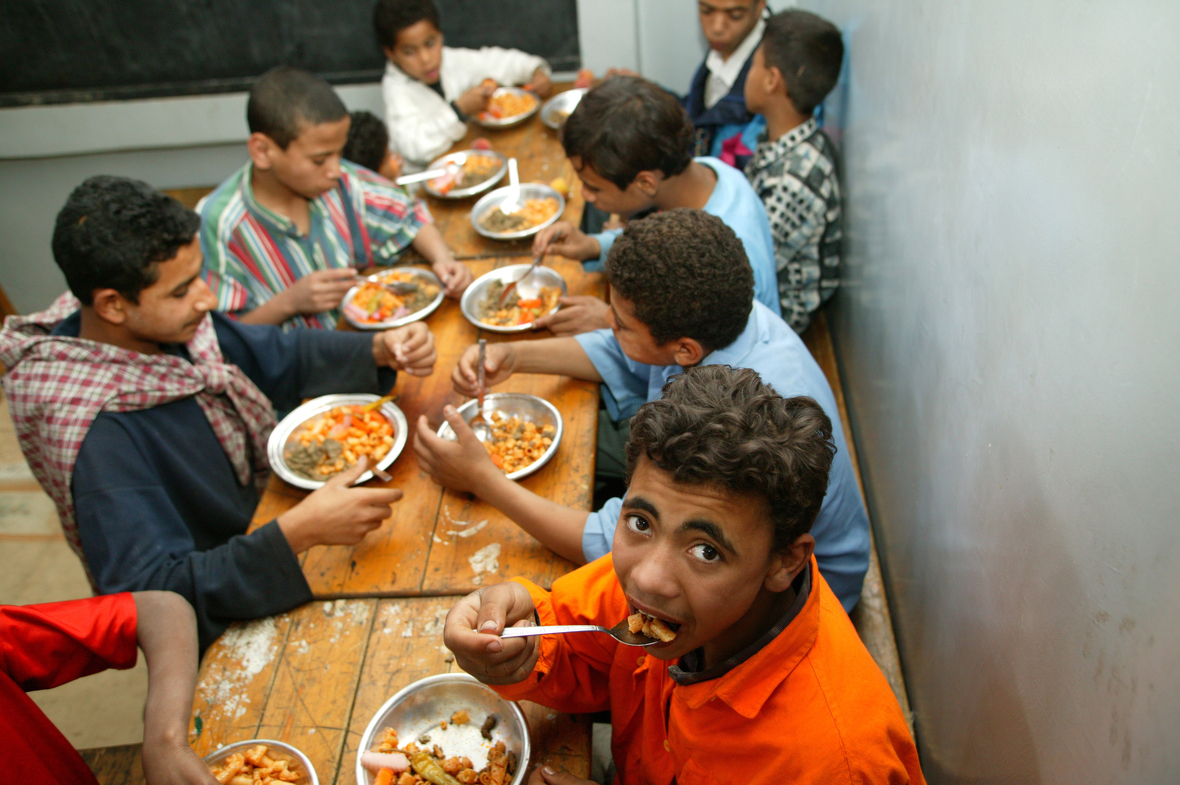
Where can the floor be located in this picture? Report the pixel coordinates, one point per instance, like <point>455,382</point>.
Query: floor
<point>36,565</point>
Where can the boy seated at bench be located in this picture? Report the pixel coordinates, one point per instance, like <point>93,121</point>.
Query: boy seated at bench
<point>681,296</point>
<point>631,144</point>
<point>145,415</point>
<point>368,146</point>
<point>758,675</point>
<point>44,646</point>
<point>432,90</point>
<point>284,236</point>
<point>794,166</point>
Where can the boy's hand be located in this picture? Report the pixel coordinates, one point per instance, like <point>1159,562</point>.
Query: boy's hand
<point>476,99</point>
<point>408,348</point>
<point>174,763</point>
<point>319,291</point>
<point>455,276</point>
<point>546,775</point>
<point>472,632</point>
<point>462,465</point>
<point>540,83</point>
<point>578,314</point>
<point>337,514</point>
<point>564,239</point>
<point>498,365</point>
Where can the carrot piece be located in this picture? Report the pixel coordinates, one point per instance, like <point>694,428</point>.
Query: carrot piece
<point>529,303</point>
<point>384,777</point>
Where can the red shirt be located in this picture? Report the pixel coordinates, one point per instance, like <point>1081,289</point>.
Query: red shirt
<point>42,646</point>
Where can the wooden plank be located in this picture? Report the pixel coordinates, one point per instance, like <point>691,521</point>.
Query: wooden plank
<point>122,765</point>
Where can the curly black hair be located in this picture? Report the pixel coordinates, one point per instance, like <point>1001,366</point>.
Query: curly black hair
<point>113,231</point>
<point>390,17</point>
<point>285,99</point>
<point>628,125</point>
<point>808,50</point>
<point>368,140</point>
<point>723,427</point>
<point>687,275</point>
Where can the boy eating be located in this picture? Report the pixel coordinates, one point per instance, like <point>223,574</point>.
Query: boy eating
<point>681,296</point>
<point>794,167</point>
<point>631,144</point>
<point>432,90</point>
<point>146,417</point>
<point>764,679</point>
<point>284,236</point>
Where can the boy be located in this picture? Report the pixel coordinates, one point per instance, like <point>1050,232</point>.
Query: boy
<point>146,417</point>
<point>680,297</point>
<point>794,167</point>
<point>43,646</point>
<point>761,677</point>
<point>631,144</point>
<point>430,90</point>
<point>284,236</point>
<point>368,146</point>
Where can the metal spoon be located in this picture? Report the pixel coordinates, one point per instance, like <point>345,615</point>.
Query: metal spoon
<point>512,203</point>
<point>480,426</point>
<point>620,632</point>
<point>512,285</point>
<point>430,174</point>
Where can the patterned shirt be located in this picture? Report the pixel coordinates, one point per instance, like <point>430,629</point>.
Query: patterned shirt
<point>796,177</point>
<point>252,253</point>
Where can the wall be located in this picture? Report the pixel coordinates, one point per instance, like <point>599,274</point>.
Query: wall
<point>1010,345</point>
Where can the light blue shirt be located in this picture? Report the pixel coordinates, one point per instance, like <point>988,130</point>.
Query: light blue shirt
<point>771,348</point>
<point>736,203</point>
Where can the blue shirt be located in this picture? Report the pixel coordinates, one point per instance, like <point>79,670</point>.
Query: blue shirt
<point>775,351</point>
<point>736,203</point>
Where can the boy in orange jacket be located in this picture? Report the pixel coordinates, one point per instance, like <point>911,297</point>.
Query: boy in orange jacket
<point>762,678</point>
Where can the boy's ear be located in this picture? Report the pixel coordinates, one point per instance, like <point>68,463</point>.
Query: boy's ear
<point>786,565</point>
<point>109,306</point>
<point>388,53</point>
<point>648,182</point>
<point>261,147</point>
<point>775,83</point>
<point>689,352</point>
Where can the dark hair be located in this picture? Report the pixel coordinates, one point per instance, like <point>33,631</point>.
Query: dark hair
<point>628,125</point>
<point>722,427</point>
<point>687,275</point>
<point>390,17</point>
<point>368,140</point>
<point>113,231</point>
<point>808,50</point>
<point>284,99</point>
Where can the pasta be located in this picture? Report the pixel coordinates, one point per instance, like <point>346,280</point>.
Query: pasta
<point>435,768</point>
<point>516,443</point>
<point>373,303</point>
<point>255,766</point>
<point>507,104</point>
<point>650,626</point>
<point>329,444</point>
<point>516,311</point>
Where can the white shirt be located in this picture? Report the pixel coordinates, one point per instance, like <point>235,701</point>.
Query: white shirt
<point>723,73</point>
<point>422,125</point>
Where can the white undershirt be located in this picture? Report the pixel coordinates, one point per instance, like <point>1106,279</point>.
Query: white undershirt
<point>723,73</point>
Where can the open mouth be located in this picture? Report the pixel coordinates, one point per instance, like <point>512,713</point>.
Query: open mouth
<point>662,630</point>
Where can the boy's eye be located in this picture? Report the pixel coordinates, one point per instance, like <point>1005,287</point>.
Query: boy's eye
<point>638,524</point>
<point>705,552</point>
<point>180,294</point>
<point>319,161</point>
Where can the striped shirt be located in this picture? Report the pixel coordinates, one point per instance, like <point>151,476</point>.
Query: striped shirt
<point>252,253</point>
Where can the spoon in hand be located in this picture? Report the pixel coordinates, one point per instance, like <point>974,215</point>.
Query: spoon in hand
<point>620,632</point>
<point>480,426</point>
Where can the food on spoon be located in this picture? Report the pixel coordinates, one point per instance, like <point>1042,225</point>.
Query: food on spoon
<point>534,212</point>
<point>517,444</point>
<point>435,767</point>
<point>374,304</point>
<point>516,310</point>
<point>650,626</point>
<point>255,766</point>
<point>506,105</point>
<point>329,443</point>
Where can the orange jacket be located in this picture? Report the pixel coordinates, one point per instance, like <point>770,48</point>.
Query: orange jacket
<point>811,707</point>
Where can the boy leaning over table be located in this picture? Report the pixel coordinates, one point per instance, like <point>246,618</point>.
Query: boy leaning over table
<point>765,679</point>
<point>145,415</point>
<point>681,296</point>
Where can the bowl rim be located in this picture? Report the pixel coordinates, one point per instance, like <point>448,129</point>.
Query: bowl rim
<point>516,119</point>
<point>551,105</point>
<point>446,432</point>
<point>463,193</point>
<point>416,316</point>
<point>298,754</point>
<point>466,304</point>
<point>485,204</point>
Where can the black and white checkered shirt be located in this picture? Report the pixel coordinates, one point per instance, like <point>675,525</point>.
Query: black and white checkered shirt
<point>796,178</point>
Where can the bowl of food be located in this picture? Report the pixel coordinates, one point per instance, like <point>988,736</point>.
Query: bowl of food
<point>391,298</point>
<point>472,172</point>
<point>525,431</point>
<point>327,435</point>
<point>537,207</point>
<point>508,106</point>
<point>449,723</point>
<point>261,762</point>
<point>559,108</point>
<point>532,298</point>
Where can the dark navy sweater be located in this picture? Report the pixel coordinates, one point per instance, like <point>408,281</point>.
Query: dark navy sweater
<point>156,498</point>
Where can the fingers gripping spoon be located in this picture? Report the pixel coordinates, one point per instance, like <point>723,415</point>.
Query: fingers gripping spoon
<point>480,426</point>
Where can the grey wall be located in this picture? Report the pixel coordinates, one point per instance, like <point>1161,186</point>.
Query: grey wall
<point>1010,341</point>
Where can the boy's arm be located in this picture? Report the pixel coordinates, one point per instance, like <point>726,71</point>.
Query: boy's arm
<point>506,66</point>
<point>422,126</point>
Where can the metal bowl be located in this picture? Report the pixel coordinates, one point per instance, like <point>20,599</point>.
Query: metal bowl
<point>296,760</point>
<point>562,102</point>
<point>522,405</point>
<point>516,119</point>
<point>460,158</point>
<point>478,290</point>
<point>420,707</point>
<point>500,196</point>
<point>421,313</point>
<point>317,406</point>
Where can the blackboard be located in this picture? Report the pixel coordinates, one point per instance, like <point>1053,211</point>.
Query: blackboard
<point>58,51</point>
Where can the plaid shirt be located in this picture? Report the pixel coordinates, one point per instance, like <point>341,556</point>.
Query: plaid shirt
<point>252,253</point>
<point>796,178</point>
<point>57,385</point>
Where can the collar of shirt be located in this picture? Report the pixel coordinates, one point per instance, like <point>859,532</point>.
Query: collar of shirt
<point>279,224</point>
<point>771,151</point>
<point>735,354</point>
<point>723,73</point>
